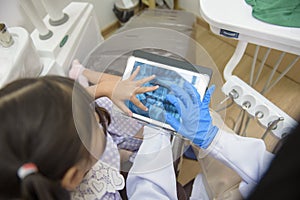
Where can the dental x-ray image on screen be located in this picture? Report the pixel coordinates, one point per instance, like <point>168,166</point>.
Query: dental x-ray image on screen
<point>155,100</point>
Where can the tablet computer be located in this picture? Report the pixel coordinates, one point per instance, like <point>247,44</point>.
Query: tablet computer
<point>168,71</point>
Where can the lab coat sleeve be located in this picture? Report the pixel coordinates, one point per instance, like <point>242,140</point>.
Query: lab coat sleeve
<point>152,175</point>
<point>246,156</point>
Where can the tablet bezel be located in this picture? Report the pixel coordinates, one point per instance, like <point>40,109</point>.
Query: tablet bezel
<point>169,64</point>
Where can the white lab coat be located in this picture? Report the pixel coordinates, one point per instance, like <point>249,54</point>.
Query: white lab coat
<point>152,175</point>
<point>247,156</point>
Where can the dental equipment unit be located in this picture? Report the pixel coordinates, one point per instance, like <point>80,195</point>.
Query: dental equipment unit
<point>58,38</point>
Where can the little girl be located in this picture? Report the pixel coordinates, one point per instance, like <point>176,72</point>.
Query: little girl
<point>126,132</point>
<point>124,138</point>
<point>46,144</point>
<point>50,139</point>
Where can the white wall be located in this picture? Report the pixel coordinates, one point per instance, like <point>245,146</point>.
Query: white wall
<point>190,5</point>
<point>104,12</point>
<point>12,14</point>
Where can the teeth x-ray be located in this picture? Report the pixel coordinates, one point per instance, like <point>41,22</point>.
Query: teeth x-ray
<point>156,101</point>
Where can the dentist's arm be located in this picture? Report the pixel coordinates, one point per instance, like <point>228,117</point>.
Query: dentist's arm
<point>247,156</point>
<point>152,175</point>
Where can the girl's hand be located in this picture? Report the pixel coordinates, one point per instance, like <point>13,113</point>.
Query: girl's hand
<point>128,89</point>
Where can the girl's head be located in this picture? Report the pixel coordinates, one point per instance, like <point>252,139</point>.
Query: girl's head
<point>48,121</point>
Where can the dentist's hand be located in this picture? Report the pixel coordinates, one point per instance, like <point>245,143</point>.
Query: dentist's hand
<point>196,122</point>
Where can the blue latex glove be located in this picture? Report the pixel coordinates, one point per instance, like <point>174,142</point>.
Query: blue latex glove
<point>196,122</point>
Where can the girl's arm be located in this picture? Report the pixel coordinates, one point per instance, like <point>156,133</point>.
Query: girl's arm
<point>120,90</point>
<point>112,86</point>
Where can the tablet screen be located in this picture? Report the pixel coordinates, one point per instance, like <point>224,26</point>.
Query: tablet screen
<point>156,101</point>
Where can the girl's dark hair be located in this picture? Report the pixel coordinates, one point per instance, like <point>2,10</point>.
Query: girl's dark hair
<point>41,123</point>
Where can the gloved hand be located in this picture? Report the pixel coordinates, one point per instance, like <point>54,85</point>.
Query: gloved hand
<point>196,122</point>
